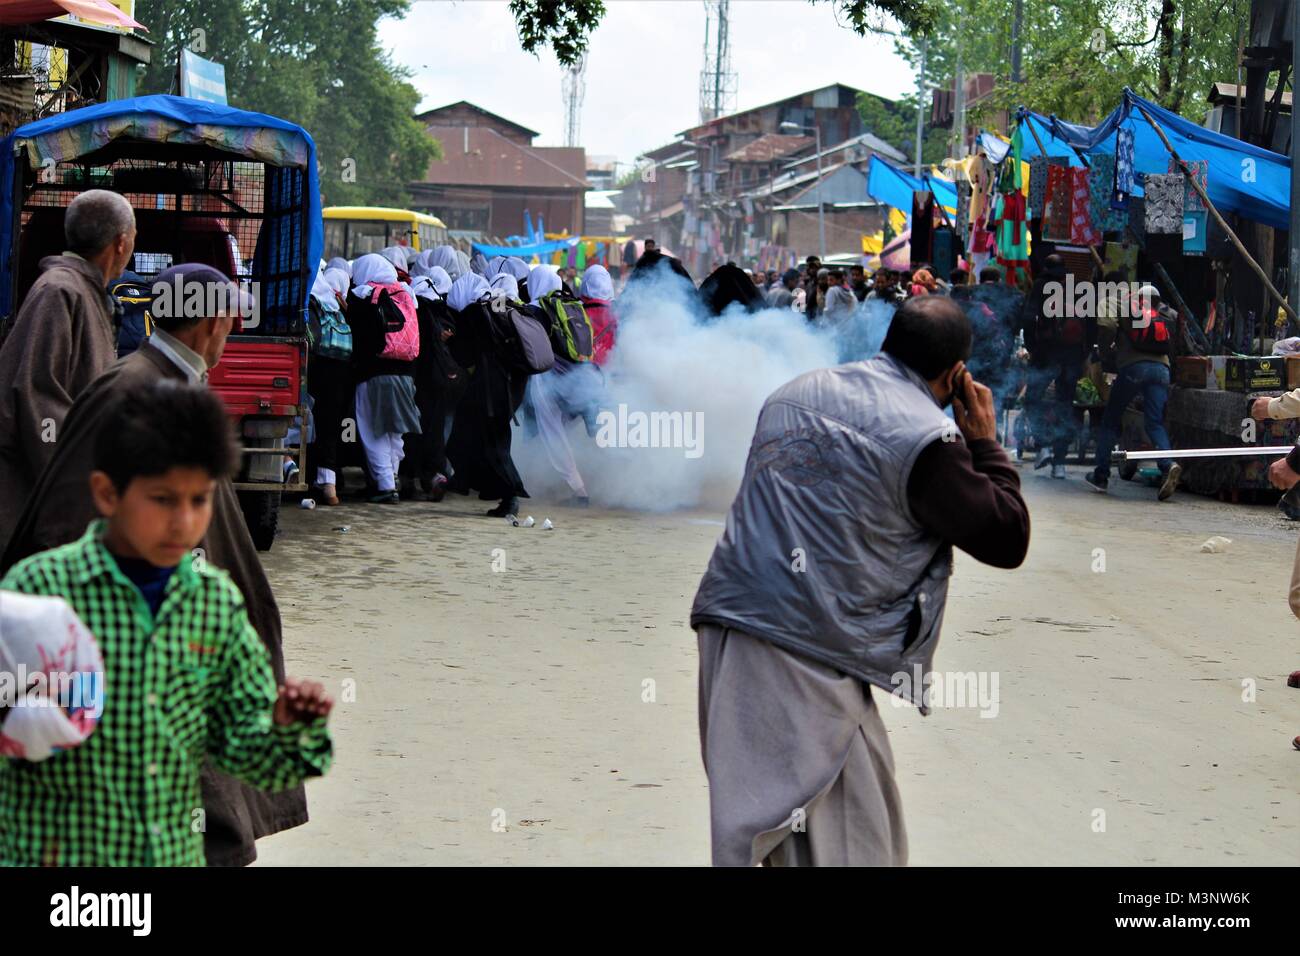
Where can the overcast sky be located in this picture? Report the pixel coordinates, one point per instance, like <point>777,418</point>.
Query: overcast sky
<point>643,67</point>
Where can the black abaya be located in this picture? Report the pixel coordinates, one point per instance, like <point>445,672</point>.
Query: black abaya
<point>479,446</point>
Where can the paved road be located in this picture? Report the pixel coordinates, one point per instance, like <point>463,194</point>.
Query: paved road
<point>503,715</point>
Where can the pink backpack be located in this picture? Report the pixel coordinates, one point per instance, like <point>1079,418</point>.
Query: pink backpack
<point>401,328</point>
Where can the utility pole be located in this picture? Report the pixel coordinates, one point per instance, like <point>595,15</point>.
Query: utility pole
<point>1293,262</point>
<point>959,103</point>
<point>1017,19</point>
<point>920,109</point>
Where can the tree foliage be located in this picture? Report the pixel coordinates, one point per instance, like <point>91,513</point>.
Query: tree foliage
<point>565,26</point>
<point>317,63</point>
<point>1077,57</point>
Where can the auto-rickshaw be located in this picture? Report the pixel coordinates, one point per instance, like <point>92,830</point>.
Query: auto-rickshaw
<point>228,188</point>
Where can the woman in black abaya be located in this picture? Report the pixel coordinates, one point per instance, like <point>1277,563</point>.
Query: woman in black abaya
<point>479,446</point>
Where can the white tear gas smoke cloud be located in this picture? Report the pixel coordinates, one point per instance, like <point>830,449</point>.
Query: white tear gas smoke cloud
<point>673,357</point>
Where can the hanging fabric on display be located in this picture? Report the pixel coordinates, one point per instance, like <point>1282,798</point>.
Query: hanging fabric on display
<point>1038,167</point>
<point>1012,237</point>
<point>1196,226</point>
<point>1164,203</point>
<point>1125,173</point>
<point>964,193</point>
<point>1057,204</point>
<point>1082,232</point>
<point>944,244</point>
<point>922,247</point>
<point>1200,169</point>
<point>981,178</point>
<point>1101,182</point>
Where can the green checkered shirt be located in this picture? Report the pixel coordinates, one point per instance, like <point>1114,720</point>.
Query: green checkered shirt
<point>194,682</point>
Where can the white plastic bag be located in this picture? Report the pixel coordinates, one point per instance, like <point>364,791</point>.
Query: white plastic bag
<point>51,677</point>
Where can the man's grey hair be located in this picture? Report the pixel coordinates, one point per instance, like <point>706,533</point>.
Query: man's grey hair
<point>95,219</point>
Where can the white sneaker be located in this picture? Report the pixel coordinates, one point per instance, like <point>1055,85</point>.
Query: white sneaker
<point>1058,471</point>
<point>1044,459</point>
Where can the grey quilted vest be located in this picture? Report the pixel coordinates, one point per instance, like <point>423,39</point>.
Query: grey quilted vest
<point>821,554</point>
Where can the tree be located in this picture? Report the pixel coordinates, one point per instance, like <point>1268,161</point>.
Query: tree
<point>566,25</point>
<point>285,58</point>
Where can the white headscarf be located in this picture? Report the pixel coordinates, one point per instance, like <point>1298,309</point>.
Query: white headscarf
<point>516,267</point>
<point>338,262</point>
<point>396,255</point>
<point>422,286</point>
<point>495,266</point>
<point>369,268</point>
<point>338,280</point>
<point>469,288</point>
<point>506,283</point>
<point>323,293</point>
<point>542,281</point>
<point>445,258</point>
<point>596,283</point>
<point>464,262</point>
<point>441,281</point>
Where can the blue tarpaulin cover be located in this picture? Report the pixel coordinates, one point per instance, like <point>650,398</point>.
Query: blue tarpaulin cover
<point>1250,181</point>
<point>175,119</point>
<point>894,187</point>
<point>527,252</point>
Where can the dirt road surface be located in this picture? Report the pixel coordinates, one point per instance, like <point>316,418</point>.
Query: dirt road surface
<point>519,696</point>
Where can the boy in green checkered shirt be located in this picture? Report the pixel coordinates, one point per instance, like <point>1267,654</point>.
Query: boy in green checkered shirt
<point>186,677</point>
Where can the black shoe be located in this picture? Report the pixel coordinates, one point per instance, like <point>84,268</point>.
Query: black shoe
<point>579,501</point>
<point>386,498</point>
<point>508,506</point>
<point>1096,482</point>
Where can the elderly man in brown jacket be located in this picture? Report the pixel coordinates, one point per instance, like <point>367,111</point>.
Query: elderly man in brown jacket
<point>62,340</point>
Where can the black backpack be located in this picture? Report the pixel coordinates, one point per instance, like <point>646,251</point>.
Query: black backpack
<point>134,297</point>
<point>520,340</point>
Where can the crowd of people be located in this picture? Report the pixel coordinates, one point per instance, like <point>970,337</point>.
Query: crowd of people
<point>118,469</point>
<point>434,354</point>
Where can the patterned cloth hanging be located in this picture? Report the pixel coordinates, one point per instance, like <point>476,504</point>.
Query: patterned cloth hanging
<point>1038,167</point>
<point>1125,173</point>
<point>964,193</point>
<point>1012,237</point>
<point>1164,203</point>
<point>1057,204</point>
<point>1101,181</point>
<point>1082,232</point>
<point>1201,171</point>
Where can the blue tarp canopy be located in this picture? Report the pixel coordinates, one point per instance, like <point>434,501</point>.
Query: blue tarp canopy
<point>1250,181</point>
<point>894,187</point>
<point>527,252</point>
<point>293,188</point>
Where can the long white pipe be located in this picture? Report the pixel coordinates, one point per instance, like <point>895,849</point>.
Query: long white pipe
<point>1120,455</point>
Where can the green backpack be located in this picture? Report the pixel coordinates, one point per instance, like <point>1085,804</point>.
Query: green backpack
<point>570,328</point>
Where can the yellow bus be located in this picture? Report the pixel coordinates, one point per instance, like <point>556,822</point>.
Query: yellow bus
<point>352,231</point>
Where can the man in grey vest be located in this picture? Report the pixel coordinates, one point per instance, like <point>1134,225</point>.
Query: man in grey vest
<point>831,576</point>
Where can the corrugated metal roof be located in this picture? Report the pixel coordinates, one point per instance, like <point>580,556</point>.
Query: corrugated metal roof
<point>480,156</point>
<point>768,147</point>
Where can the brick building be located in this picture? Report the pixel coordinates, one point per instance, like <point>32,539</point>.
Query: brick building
<point>491,173</point>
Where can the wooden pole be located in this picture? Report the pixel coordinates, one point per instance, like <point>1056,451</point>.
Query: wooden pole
<point>1232,236</point>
